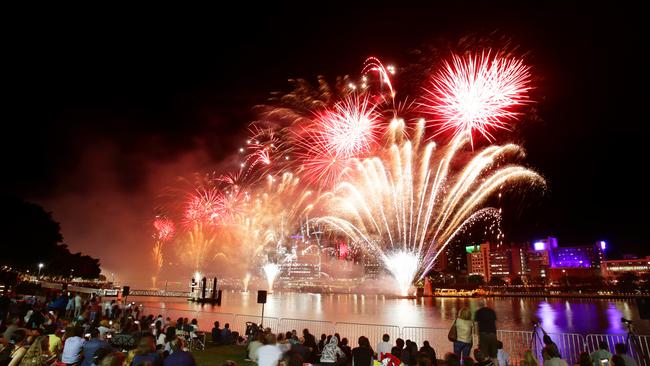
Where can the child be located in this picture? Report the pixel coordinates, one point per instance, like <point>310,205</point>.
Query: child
<point>503,358</point>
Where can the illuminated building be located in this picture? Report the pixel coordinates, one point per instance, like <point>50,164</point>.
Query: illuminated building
<point>478,260</point>
<point>495,260</point>
<point>557,262</point>
<point>613,268</point>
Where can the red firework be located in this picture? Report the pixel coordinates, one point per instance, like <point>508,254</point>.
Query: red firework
<point>319,164</point>
<point>165,228</point>
<point>205,206</point>
<point>478,93</point>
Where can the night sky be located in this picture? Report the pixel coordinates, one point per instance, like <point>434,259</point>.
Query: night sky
<point>103,111</point>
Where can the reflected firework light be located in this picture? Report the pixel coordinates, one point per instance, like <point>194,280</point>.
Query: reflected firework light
<point>477,93</point>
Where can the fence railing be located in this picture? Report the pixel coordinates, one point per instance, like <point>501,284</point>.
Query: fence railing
<point>515,343</point>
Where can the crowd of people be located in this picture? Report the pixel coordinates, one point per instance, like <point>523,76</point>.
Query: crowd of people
<point>268,349</point>
<point>81,330</point>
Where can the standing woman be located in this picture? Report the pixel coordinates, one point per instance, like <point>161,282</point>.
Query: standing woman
<point>464,330</point>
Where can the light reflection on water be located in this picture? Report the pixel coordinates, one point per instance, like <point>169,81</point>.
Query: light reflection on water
<point>556,315</point>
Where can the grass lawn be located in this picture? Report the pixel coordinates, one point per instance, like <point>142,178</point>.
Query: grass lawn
<point>216,355</point>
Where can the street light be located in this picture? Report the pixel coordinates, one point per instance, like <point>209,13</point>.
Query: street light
<point>40,266</point>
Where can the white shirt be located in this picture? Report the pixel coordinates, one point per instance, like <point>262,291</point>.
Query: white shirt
<point>72,350</point>
<point>102,331</point>
<point>253,347</point>
<point>504,358</point>
<point>160,341</point>
<point>77,301</point>
<point>269,355</point>
<point>383,347</point>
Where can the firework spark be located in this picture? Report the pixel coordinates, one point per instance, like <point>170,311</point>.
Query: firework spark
<point>271,271</point>
<point>204,206</point>
<point>350,128</point>
<point>373,64</point>
<point>406,206</point>
<point>165,229</point>
<point>477,93</point>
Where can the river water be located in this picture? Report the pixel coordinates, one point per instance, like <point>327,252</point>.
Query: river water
<point>584,316</point>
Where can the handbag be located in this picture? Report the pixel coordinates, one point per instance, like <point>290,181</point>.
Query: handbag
<point>453,333</point>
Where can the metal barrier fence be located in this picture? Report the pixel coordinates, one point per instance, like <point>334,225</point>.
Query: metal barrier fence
<point>515,343</point>
<point>373,332</point>
<point>437,337</point>
<point>316,327</point>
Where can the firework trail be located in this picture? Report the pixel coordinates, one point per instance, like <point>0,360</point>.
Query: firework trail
<point>477,93</point>
<point>406,205</point>
<point>165,230</point>
<point>197,247</point>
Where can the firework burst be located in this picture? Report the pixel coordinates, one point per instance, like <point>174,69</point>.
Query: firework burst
<point>350,128</point>
<point>405,206</point>
<point>477,93</point>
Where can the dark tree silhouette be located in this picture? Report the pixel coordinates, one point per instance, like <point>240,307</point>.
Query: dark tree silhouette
<point>29,235</point>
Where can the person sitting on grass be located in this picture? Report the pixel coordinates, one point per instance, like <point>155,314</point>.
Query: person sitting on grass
<point>179,357</point>
<point>146,352</point>
<point>254,346</point>
<point>216,334</point>
<point>269,354</point>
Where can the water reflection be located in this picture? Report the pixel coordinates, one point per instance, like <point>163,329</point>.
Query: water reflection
<point>556,315</point>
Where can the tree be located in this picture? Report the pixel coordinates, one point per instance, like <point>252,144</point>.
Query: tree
<point>476,280</point>
<point>628,281</point>
<point>517,281</point>
<point>31,236</point>
<point>497,281</point>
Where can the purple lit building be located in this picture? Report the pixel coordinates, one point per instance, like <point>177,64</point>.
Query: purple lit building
<point>580,261</point>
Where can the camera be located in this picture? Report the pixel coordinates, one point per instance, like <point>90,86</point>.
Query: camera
<point>535,323</point>
<point>251,329</point>
<point>626,321</point>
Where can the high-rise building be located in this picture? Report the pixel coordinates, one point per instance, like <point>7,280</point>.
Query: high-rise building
<point>452,259</point>
<point>478,260</point>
